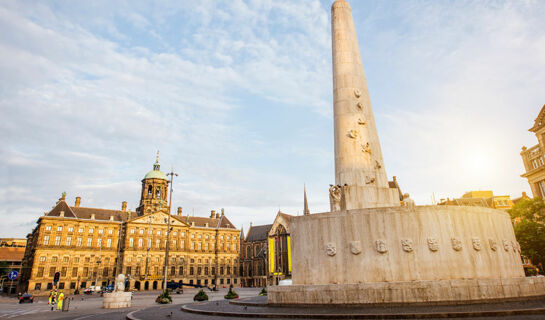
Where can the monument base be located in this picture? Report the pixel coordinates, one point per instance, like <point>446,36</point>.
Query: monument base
<point>442,291</point>
<point>117,299</point>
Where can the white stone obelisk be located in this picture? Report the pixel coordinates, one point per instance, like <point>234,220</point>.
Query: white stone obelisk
<point>360,175</point>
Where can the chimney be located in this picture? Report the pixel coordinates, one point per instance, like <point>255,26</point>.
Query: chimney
<point>92,216</point>
<point>78,201</point>
<point>124,206</point>
<point>61,214</point>
<point>192,223</point>
<point>179,211</point>
<point>206,225</point>
<point>212,214</point>
<point>111,218</point>
<point>222,211</point>
<point>217,215</point>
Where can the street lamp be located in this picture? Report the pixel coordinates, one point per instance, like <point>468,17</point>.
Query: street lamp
<point>172,175</point>
<point>99,257</point>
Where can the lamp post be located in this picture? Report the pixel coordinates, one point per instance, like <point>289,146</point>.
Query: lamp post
<point>172,175</point>
<point>148,249</point>
<point>99,257</point>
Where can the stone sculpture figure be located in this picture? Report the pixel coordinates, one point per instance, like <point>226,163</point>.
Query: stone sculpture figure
<point>433,245</point>
<point>331,249</point>
<point>407,201</point>
<point>506,245</point>
<point>456,244</point>
<point>476,244</point>
<point>120,282</point>
<point>353,134</point>
<point>335,197</point>
<point>407,245</point>
<point>355,247</point>
<point>493,244</point>
<point>380,245</point>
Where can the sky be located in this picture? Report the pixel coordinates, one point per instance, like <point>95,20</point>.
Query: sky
<point>237,97</point>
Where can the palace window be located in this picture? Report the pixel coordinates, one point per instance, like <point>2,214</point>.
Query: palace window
<point>46,240</point>
<point>99,243</point>
<point>207,236</point>
<point>234,247</point>
<point>105,272</point>
<point>149,243</point>
<point>89,241</point>
<point>87,259</point>
<point>200,236</point>
<point>191,271</point>
<point>158,193</point>
<point>140,242</point>
<point>65,259</point>
<point>51,271</point>
<point>100,231</point>
<point>63,271</point>
<point>70,229</point>
<point>192,245</point>
<point>141,231</point>
<point>173,244</point>
<point>158,243</point>
<point>158,232</point>
<point>76,260</point>
<point>42,259</point>
<point>213,270</point>
<point>58,240</point>
<point>78,242</point>
<point>128,270</point>
<point>131,242</point>
<point>109,243</point>
<point>111,231</point>
<point>68,241</point>
<point>40,272</point>
<point>80,230</point>
<point>173,271</point>
<point>132,231</point>
<point>182,244</point>
<point>86,271</point>
<point>74,271</point>
<point>47,228</point>
<point>183,234</point>
<point>175,233</point>
<point>192,236</point>
<point>221,270</point>
<point>59,228</point>
<point>213,246</point>
<point>228,270</point>
<point>199,246</point>
<point>181,271</point>
<point>206,270</point>
<point>206,246</point>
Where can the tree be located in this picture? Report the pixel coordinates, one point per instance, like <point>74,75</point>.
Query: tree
<point>529,218</point>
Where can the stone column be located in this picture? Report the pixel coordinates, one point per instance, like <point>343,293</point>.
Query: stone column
<point>359,166</point>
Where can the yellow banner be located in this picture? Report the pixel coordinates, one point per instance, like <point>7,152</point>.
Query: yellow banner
<point>271,255</point>
<point>289,254</point>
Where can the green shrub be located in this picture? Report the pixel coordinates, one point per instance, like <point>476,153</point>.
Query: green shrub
<point>200,296</point>
<point>164,298</point>
<point>263,292</point>
<point>231,294</point>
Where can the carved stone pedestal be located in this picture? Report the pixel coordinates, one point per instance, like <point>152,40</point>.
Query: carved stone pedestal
<point>117,299</point>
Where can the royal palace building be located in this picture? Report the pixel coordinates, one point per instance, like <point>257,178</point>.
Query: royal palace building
<point>90,246</point>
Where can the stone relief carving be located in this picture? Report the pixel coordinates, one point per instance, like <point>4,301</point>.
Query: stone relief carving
<point>476,244</point>
<point>335,197</point>
<point>331,249</point>
<point>493,244</point>
<point>353,134</point>
<point>361,122</point>
<point>456,244</point>
<point>360,105</point>
<point>407,245</point>
<point>377,165</point>
<point>355,247</point>
<point>357,93</point>
<point>380,245</point>
<point>506,245</point>
<point>433,245</point>
<point>517,246</point>
<point>369,180</point>
<point>365,148</point>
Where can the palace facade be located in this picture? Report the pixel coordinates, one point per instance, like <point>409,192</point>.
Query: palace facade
<point>533,158</point>
<point>90,246</point>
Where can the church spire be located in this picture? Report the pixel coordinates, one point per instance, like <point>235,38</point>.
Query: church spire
<point>306,211</point>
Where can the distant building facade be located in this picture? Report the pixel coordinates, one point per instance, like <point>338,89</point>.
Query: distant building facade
<point>480,199</point>
<point>89,246</point>
<point>266,253</point>
<point>533,158</point>
<point>12,251</point>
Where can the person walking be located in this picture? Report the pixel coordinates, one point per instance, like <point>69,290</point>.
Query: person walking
<point>60,301</point>
<point>50,297</point>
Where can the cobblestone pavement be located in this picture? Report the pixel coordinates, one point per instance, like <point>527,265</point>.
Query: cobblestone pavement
<point>84,307</point>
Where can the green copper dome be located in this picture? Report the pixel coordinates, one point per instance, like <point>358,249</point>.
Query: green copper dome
<point>156,173</point>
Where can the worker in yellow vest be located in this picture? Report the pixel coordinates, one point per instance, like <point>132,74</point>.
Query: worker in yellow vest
<point>50,297</point>
<point>60,300</point>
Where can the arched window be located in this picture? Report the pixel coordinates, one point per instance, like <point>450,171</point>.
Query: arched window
<point>150,190</point>
<point>158,192</point>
